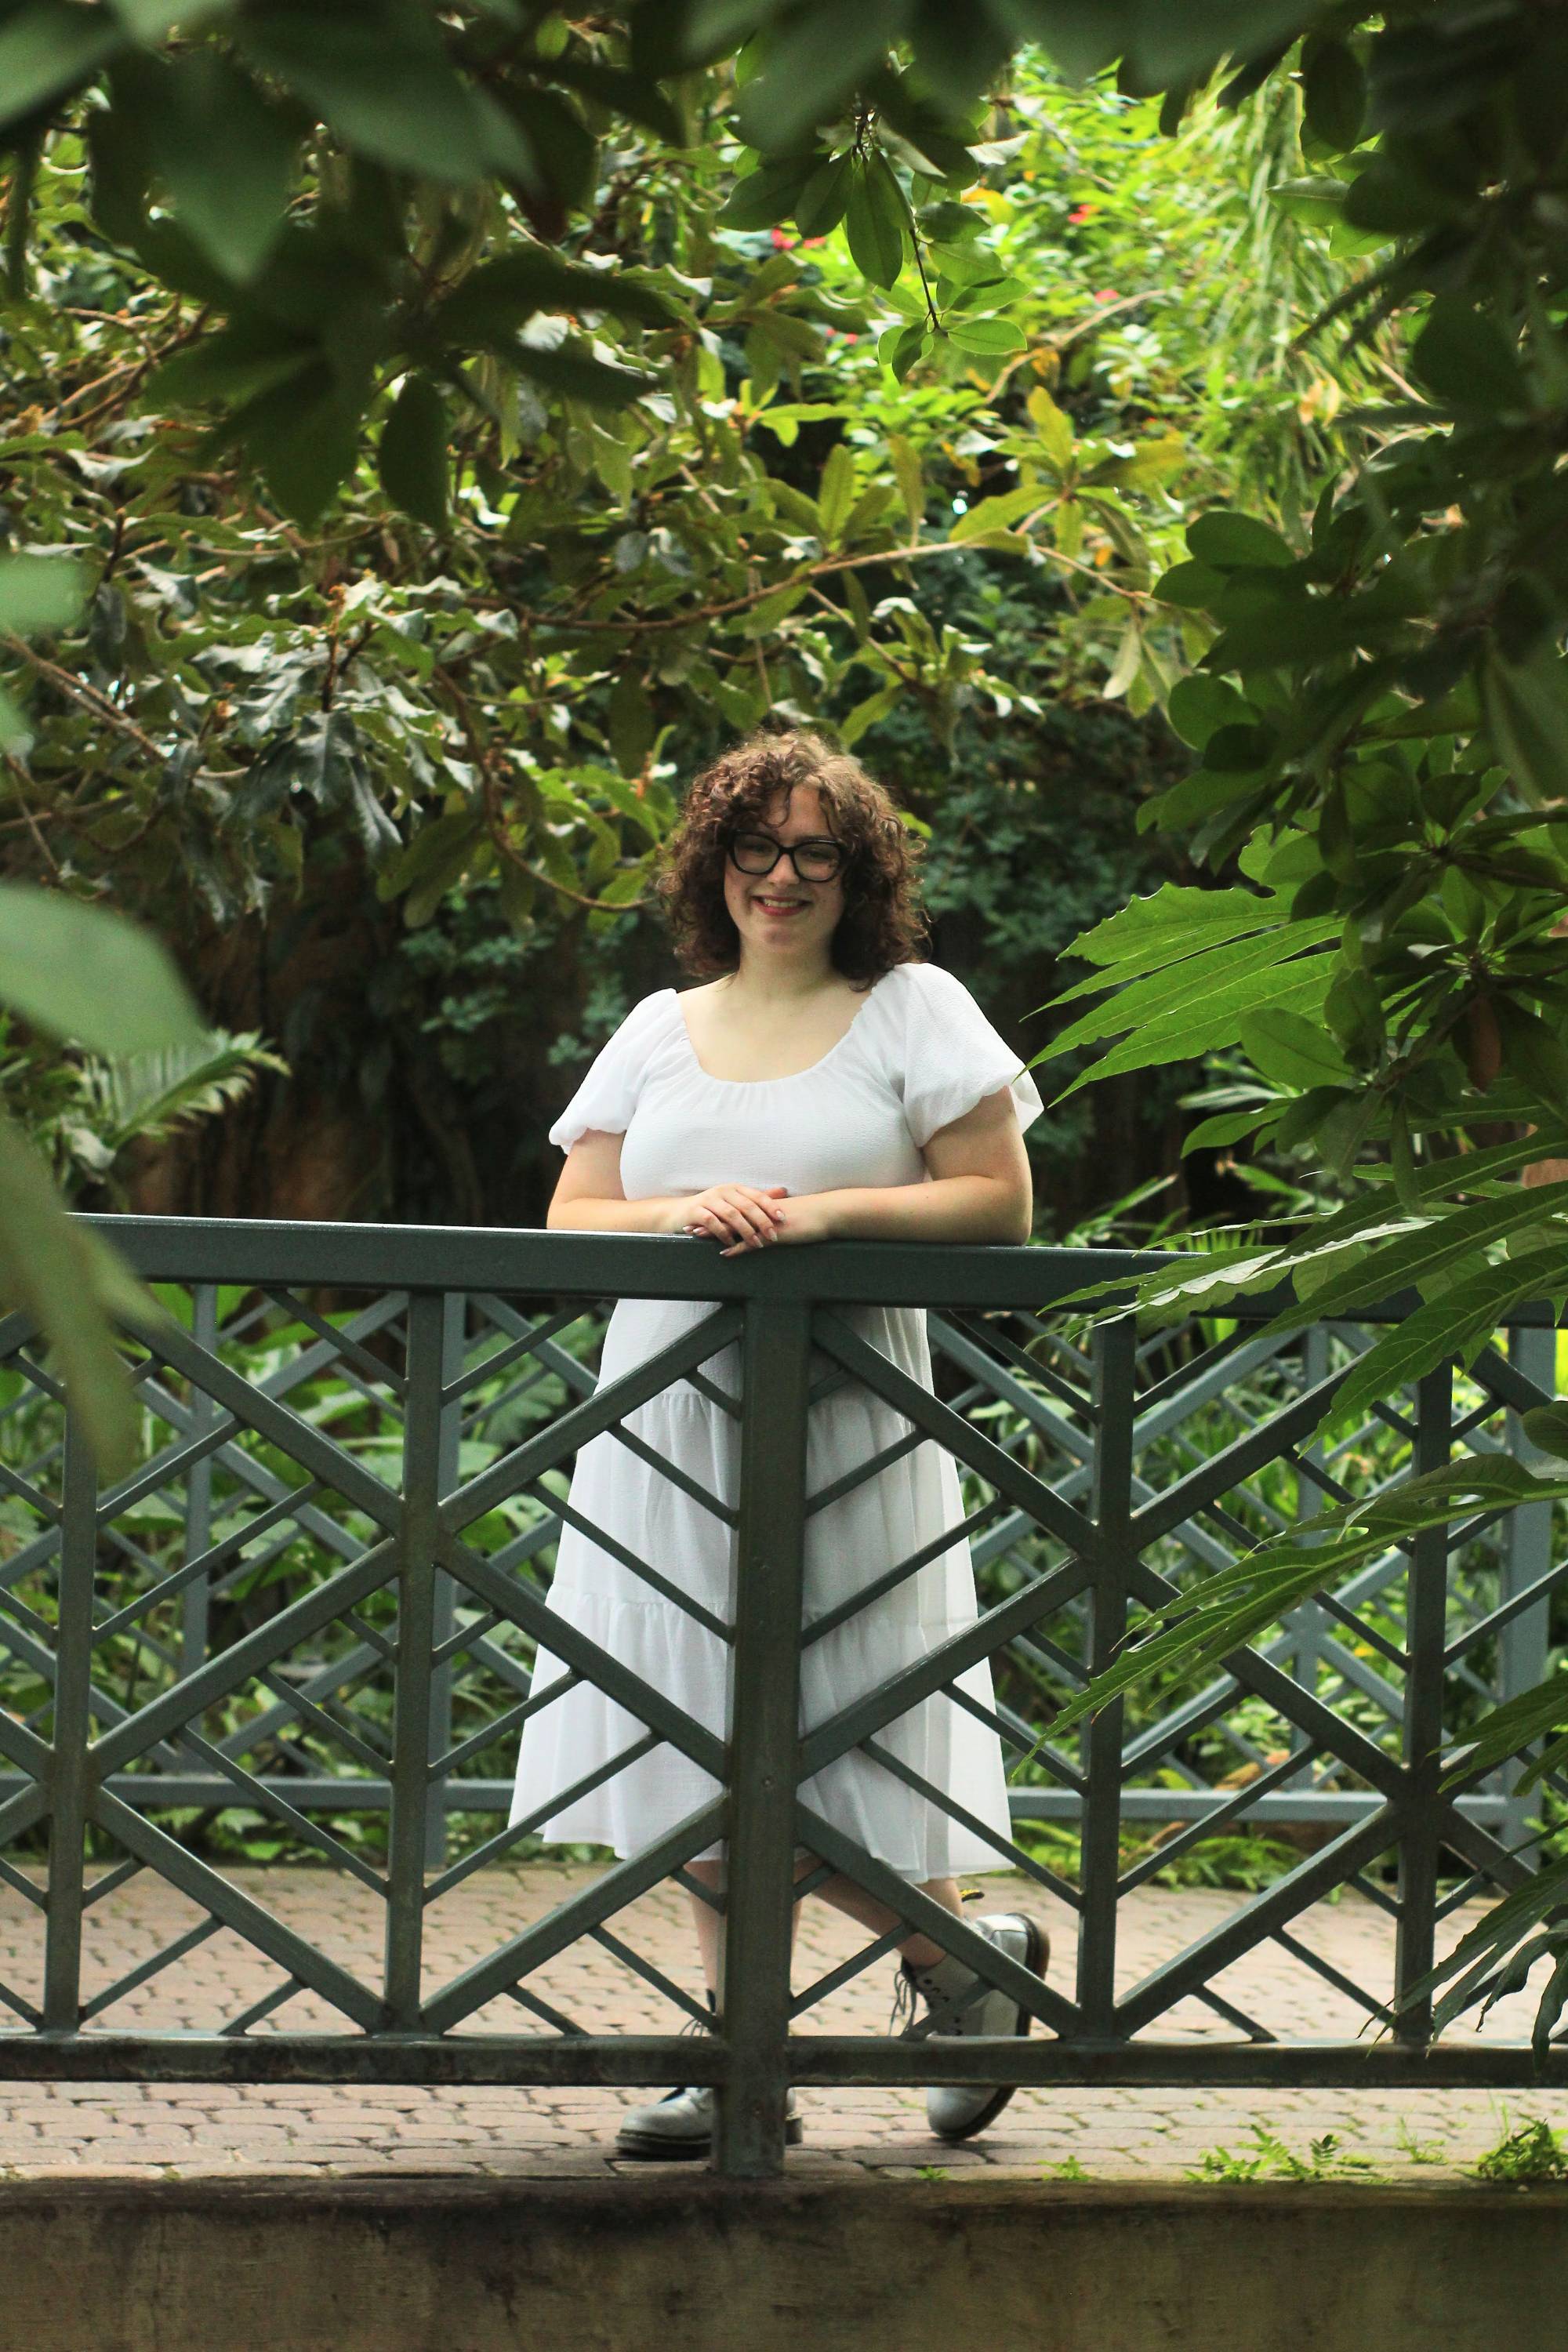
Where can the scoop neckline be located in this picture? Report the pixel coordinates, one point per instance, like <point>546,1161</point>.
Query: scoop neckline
<point>790,1077</point>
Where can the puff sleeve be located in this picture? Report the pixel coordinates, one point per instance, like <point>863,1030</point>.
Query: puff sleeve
<point>608,1094</point>
<point>952,1058</point>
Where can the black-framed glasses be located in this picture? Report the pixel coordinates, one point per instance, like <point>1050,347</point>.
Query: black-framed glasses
<point>813,861</point>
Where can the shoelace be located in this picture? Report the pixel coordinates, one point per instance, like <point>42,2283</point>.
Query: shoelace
<point>692,2025</point>
<point>905,1999</point>
<point>944,2011</point>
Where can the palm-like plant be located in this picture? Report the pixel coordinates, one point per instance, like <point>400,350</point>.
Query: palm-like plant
<point>135,1097</point>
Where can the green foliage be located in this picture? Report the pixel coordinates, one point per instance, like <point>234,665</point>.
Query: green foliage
<point>86,974</point>
<point>1530,2152</point>
<point>1388,749</point>
<point>1327,2158</point>
<point>104,1105</point>
<point>499,714</point>
<point>82,973</point>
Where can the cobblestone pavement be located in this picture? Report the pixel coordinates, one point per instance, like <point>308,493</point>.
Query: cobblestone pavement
<point>182,2131</point>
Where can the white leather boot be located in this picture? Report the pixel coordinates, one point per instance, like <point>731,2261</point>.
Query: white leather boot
<point>964,2003</point>
<point>681,2122</point>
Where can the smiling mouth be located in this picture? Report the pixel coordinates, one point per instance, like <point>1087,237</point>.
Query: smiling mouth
<point>780,906</point>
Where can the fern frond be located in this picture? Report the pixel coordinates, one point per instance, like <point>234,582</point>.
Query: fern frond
<point>147,1094</point>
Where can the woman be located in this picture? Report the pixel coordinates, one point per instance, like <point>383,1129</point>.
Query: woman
<point>819,1084</point>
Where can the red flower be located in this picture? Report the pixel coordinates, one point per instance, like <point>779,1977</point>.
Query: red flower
<point>782,243</point>
<point>1080,214</point>
<point>1109,295</point>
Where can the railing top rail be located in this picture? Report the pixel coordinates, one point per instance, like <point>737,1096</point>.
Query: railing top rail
<point>528,1259</point>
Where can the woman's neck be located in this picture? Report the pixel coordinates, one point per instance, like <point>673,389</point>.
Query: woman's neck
<point>780,983</point>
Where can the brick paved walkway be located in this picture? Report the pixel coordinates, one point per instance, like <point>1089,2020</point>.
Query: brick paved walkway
<point>185,2131</point>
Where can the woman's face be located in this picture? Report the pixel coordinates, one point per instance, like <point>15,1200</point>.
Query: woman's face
<point>780,916</point>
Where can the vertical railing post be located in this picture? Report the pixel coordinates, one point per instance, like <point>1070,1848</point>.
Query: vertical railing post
<point>1115,1358</point>
<point>1425,1632</point>
<point>1306,1619</point>
<point>1524,1644</point>
<point>764,1740</point>
<point>72,1731</point>
<point>454,1322</point>
<point>416,1591</point>
<point>195,1602</point>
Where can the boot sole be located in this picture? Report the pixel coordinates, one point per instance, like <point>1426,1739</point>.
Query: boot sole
<point>1037,1959</point>
<point>648,2150</point>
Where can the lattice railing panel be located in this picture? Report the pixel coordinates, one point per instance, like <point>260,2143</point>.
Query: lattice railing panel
<point>312,1615</point>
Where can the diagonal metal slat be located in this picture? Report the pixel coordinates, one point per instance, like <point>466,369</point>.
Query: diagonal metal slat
<point>249,1919</point>
<point>541,1942</point>
<point>966,1443</point>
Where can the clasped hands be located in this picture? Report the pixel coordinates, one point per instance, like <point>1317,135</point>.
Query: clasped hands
<point>748,1216</point>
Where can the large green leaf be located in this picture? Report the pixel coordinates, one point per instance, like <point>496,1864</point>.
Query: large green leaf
<point>1081,36</point>
<point>1295,1052</point>
<point>1196,1632</point>
<point>1453,1324</point>
<point>250,355</point>
<point>39,592</point>
<point>1465,357</point>
<point>46,48</point>
<point>1207,1023</point>
<point>821,205</point>
<point>770,195</point>
<point>500,296</point>
<point>377,71</point>
<point>874,221</point>
<point>90,976</point>
<point>813,62</point>
<point>1202,978</point>
<point>986,335</point>
<point>837,493</point>
<point>70,1281</point>
<point>1173,923</point>
<point>1526,708</point>
<point>413,453</point>
<point>227,154</point>
<point>574,373</point>
<point>1000,513</point>
<point>304,436</point>
<point>1201,705</point>
<point>1334,92</point>
<point>1420,1257</point>
<point>1225,540</point>
<point>1170,46</point>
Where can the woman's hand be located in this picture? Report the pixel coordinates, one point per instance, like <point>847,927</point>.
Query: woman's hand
<point>744,1215</point>
<point>808,1218</point>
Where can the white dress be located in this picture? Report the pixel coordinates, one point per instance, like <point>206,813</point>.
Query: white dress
<point>919,1053</point>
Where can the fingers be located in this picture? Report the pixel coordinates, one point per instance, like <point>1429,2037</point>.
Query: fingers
<point>744,1215</point>
<point>752,1216</point>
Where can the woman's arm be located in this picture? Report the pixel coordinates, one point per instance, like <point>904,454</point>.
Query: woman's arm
<point>589,1197</point>
<point>981,1191</point>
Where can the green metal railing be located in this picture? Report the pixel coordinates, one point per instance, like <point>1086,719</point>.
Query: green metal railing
<point>307,1619</point>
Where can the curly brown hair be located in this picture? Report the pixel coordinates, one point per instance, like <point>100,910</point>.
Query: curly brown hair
<point>882,924</point>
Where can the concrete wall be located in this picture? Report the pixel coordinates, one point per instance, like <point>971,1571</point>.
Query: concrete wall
<point>691,2265</point>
